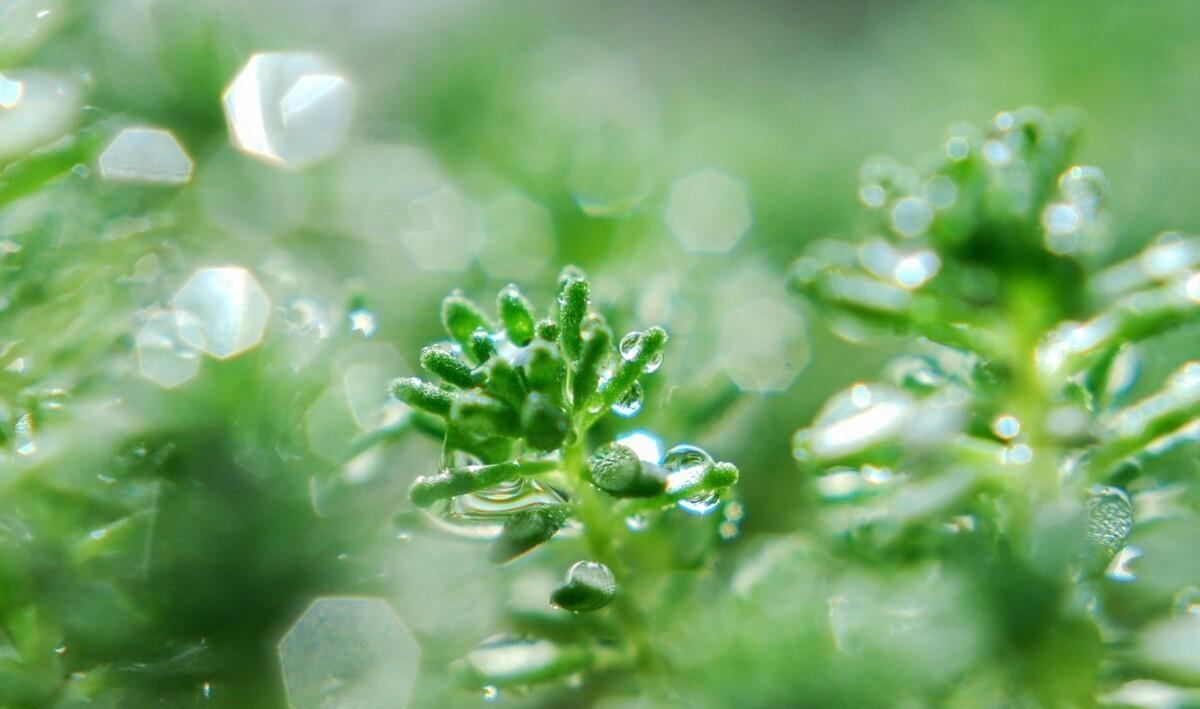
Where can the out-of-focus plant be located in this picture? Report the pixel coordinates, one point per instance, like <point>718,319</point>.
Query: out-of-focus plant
<point>515,402</point>
<point>1007,446</point>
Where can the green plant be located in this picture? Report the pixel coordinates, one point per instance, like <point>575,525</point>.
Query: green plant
<point>1006,446</point>
<point>518,403</point>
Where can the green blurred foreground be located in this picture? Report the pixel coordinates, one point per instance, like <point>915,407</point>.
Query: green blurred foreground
<point>965,433</point>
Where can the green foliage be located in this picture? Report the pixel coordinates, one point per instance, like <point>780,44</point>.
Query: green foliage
<point>1005,447</point>
<point>523,398</point>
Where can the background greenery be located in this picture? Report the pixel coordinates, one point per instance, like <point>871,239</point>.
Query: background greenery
<point>214,543</point>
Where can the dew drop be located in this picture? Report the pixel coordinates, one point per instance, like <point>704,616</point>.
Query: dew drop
<point>637,523</point>
<point>482,514</point>
<point>491,694</point>
<point>1110,517</point>
<point>363,322</point>
<point>631,347</point>
<point>25,435</point>
<point>686,466</point>
<point>630,404</point>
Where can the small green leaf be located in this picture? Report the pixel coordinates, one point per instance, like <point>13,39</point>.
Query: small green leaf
<point>526,530</point>
<point>652,344</point>
<point>428,489</point>
<point>484,415</point>
<point>589,586</point>
<point>503,381</point>
<point>516,315</point>
<point>422,395</point>
<point>447,367</point>
<point>546,330</point>
<point>545,425</point>
<point>572,307</point>
<point>462,317</point>
<point>597,345</point>
<point>481,347</point>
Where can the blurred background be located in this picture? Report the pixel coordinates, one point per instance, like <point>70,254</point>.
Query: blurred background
<point>682,153</point>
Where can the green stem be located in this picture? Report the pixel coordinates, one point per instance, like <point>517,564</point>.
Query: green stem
<point>599,529</point>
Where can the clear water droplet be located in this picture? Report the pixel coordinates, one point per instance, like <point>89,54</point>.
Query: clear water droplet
<point>491,694</point>
<point>25,435</point>
<point>1006,427</point>
<point>363,322</point>
<point>1110,517</point>
<point>631,346</point>
<point>646,445</point>
<point>1121,569</point>
<point>630,404</point>
<point>482,514</point>
<point>685,466</point>
<point>637,523</point>
<point>911,216</point>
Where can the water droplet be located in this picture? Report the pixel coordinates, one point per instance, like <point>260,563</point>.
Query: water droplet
<point>940,191</point>
<point>685,466</point>
<point>482,514</point>
<point>206,690</point>
<point>163,357</point>
<point>631,346</point>
<point>349,652</point>
<point>1006,427</point>
<point>997,153</point>
<point>957,148</point>
<point>708,211</point>
<point>637,523</point>
<point>149,155</point>
<point>911,216</point>
<point>223,311</point>
<point>491,694</point>
<point>647,446</point>
<point>1121,569</point>
<point>589,585</point>
<point>363,321</point>
<point>289,108</point>
<point>1085,187</point>
<point>25,435</point>
<point>1110,517</point>
<point>630,404</point>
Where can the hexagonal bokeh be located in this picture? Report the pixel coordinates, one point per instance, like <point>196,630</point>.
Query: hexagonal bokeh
<point>223,311</point>
<point>708,211</point>
<point>349,652</point>
<point>35,108</point>
<point>763,345</point>
<point>520,238</point>
<point>289,108</point>
<point>163,357</point>
<point>442,230</point>
<point>146,155</point>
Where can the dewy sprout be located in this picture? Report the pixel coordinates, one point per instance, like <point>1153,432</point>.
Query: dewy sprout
<point>1008,429</point>
<point>517,400</point>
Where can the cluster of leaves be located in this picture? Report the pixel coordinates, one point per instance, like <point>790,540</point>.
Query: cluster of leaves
<point>521,397</point>
<point>1005,447</point>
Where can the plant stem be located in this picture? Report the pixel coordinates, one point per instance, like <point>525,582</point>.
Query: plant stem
<point>599,529</point>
